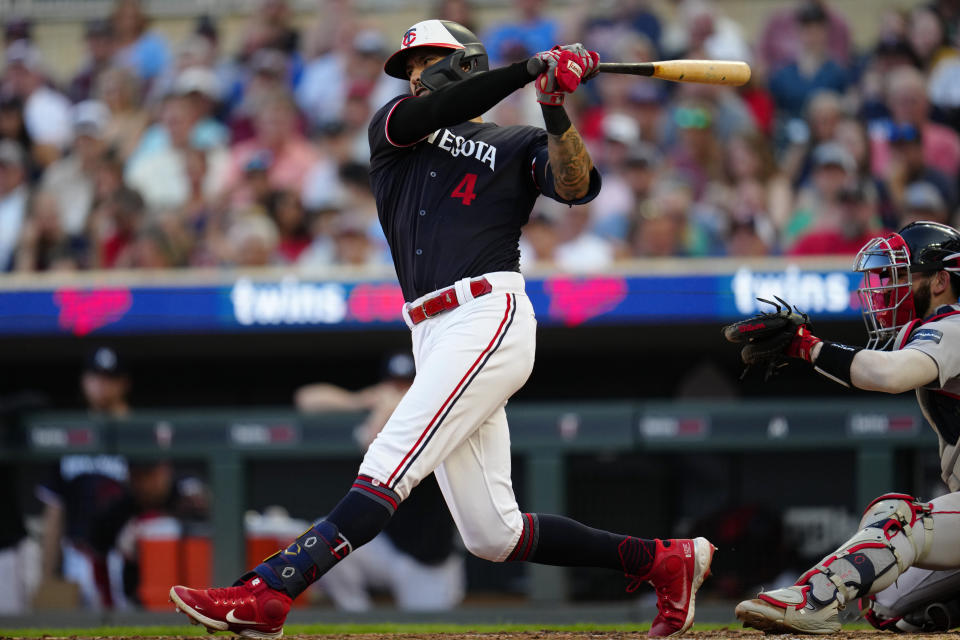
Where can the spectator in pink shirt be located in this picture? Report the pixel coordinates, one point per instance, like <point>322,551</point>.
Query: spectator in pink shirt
<point>276,135</point>
<point>907,100</point>
<point>845,227</point>
<point>779,43</point>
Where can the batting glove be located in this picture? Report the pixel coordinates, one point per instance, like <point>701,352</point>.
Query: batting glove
<point>562,69</point>
<point>589,60</point>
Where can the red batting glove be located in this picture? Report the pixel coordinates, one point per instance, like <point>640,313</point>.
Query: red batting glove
<point>563,74</point>
<point>802,344</point>
<point>589,60</point>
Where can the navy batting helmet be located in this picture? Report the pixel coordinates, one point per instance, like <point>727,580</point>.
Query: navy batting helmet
<point>466,51</point>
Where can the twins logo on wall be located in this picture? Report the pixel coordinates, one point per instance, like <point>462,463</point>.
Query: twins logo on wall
<point>573,301</point>
<point>82,312</point>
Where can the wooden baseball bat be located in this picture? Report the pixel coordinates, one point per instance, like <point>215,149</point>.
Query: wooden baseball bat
<point>726,72</point>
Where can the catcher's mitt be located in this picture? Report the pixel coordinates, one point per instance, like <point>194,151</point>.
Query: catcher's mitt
<point>767,336</point>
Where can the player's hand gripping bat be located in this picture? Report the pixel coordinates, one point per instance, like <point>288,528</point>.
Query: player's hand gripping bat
<point>726,72</point>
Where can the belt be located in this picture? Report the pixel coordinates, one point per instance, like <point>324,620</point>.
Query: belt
<point>446,300</point>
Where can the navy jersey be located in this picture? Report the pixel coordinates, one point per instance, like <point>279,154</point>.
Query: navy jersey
<point>86,486</point>
<point>452,204</point>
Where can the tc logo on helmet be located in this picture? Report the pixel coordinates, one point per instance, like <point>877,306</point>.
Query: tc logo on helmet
<point>409,37</point>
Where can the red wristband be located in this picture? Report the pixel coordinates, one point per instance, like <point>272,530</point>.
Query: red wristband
<point>802,344</point>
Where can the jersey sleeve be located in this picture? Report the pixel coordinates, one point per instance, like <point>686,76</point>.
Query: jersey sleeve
<point>941,341</point>
<point>377,131</point>
<point>543,175</point>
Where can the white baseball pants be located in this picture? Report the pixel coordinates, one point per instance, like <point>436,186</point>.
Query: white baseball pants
<point>470,360</point>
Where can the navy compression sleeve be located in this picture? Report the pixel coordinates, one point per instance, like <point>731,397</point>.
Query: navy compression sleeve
<point>412,120</point>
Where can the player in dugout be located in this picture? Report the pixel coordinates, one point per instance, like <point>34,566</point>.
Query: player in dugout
<point>452,193</point>
<point>904,562</point>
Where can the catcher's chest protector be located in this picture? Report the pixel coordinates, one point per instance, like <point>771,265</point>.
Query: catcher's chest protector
<point>939,337</point>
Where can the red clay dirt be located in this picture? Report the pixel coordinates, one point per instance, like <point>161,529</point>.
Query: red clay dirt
<point>716,634</point>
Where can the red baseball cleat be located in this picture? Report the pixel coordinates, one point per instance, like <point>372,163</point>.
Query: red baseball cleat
<point>251,609</point>
<point>679,568</point>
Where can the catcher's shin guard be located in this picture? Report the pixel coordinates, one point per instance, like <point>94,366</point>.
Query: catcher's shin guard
<point>896,530</point>
<point>790,610</point>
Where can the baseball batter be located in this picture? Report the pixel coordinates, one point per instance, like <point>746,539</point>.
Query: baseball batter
<point>906,556</point>
<point>452,193</point>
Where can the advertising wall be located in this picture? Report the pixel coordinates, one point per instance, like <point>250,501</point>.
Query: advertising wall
<point>293,302</point>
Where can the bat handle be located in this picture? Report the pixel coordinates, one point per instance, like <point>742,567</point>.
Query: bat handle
<point>536,66</point>
<point>632,68</point>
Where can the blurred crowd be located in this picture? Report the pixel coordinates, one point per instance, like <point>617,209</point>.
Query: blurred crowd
<point>161,154</point>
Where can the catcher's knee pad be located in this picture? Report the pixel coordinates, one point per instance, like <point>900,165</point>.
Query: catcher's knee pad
<point>895,513</point>
<point>875,556</point>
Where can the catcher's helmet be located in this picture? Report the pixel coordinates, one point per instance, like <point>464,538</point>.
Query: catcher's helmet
<point>933,246</point>
<point>887,264</point>
<point>466,50</point>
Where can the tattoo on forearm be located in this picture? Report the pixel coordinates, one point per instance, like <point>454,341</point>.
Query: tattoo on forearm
<point>571,164</point>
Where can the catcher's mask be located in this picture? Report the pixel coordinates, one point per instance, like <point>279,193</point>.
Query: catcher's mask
<point>467,54</point>
<point>888,264</point>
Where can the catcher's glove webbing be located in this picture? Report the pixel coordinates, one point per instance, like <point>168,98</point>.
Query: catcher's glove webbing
<point>770,338</point>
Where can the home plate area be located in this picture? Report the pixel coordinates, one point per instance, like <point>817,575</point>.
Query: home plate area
<point>713,634</point>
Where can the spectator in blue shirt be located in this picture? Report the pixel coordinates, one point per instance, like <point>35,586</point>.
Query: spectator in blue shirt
<point>144,51</point>
<point>530,32</point>
<point>813,69</point>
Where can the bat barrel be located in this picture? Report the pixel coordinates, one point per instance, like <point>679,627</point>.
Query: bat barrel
<point>723,72</point>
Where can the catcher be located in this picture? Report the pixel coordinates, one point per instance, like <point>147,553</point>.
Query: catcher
<point>905,559</point>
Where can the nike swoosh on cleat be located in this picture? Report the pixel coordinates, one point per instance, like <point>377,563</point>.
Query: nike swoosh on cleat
<point>235,620</point>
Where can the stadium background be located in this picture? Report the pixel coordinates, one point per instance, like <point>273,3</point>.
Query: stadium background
<point>613,364</point>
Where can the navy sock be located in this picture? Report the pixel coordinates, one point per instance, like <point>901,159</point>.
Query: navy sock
<point>355,521</point>
<point>556,540</point>
<point>364,511</point>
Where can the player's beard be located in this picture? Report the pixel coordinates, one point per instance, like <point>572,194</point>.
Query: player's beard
<point>922,297</point>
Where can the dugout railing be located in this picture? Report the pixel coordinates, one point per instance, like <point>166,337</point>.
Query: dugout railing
<point>544,436</point>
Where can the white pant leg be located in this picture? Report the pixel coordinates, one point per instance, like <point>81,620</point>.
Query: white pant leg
<point>14,593</point>
<point>469,362</point>
<point>475,481</point>
<point>78,568</point>
<point>424,587</point>
<point>415,586</point>
<point>944,552</point>
<point>115,563</point>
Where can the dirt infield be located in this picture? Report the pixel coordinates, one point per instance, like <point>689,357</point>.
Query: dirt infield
<point>717,634</point>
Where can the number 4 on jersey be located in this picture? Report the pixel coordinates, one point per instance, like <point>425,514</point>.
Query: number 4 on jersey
<point>465,190</point>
